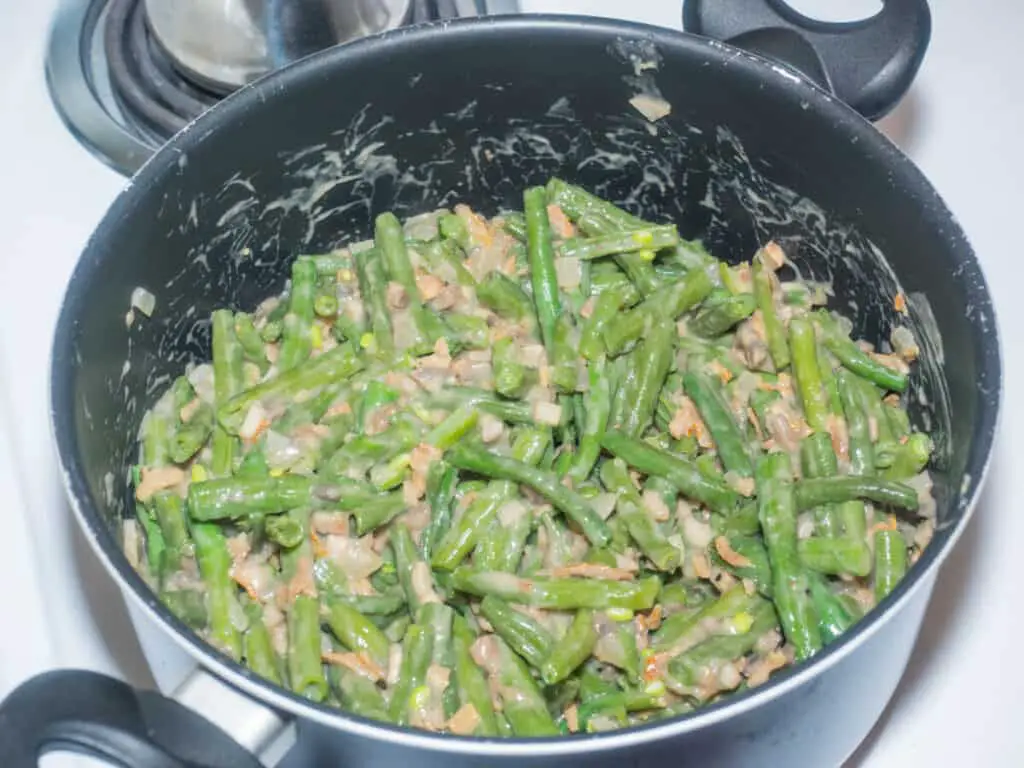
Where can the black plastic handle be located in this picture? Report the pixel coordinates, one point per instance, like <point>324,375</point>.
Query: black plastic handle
<point>89,713</point>
<point>869,64</point>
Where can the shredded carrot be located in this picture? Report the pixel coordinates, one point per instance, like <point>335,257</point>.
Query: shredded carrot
<point>318,546</point>
<point>651,672</point>
<point>249,589</point>
<point>730,555</point>
<point>887,525</point>
<point>721,371</point>
<point>900,303</point>
<point>560,222</point>
<point>338,410</point>
<point>701,566</point>
<point>262,427</point>
<point>572,718</point>
<point>653,620</point>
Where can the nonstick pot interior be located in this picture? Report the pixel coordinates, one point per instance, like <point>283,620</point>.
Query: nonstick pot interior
<point>302,162</point>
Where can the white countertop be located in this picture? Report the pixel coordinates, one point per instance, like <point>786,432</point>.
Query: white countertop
<point>962,123</point>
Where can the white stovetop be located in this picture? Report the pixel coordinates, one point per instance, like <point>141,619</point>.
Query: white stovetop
<point>961,123</point>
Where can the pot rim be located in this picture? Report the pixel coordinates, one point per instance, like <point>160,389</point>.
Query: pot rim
<point>107,548</point>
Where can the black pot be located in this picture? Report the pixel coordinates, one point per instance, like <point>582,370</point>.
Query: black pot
<point>476,111</point>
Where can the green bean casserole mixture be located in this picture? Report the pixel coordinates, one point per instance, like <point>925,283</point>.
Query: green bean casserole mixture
<point>558,471</point>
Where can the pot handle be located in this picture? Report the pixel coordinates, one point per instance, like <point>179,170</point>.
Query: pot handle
<point>99,716</point>
<point>869,64</point>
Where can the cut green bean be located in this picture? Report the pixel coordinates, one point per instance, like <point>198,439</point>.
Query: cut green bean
<point>523,635</point>
<point>559,594</point>
<point>777,511</point>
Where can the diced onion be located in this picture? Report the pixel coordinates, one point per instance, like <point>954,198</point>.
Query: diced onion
<point>654,108</point>
<point>281,452</point>
<point>548,413</point>
<point>253,422</point>
<point>143,300</point>
<point>568,272</point>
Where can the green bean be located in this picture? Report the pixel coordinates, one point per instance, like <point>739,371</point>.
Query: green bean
<point>804,350</point>
<point>523,635</point>
<point>598,217</point>
<point>890,561</point>
<point>257,647</point>
<point>514,223</point>
<point>332,366</point>
<point>373,290</point>
<point>835,556</point>
<point>215,568</point>
<point>233,498</point>
<point>733,448</point>
<point>903,461</point>
<point>753,563</point>
<point>572,650</point>
<point>652,238</point>
<point>835,490</point>
<point>620,703</point>
<point>559,594</point>
<point>856,359</point>
<point>463,536</point>
<point>190,436</point>
<point>765,284</point>
<point>861,448</point>
<point>504,296</point>
<point>597,410</point>
<point>474,458</point>
<point>249,339</point>
<point>605,276</point>
<point>720,313</point>
<point>562,355</point>
<point>169,511</point>
<point>357,633</point>
<point>359,695</point>
<point>328,264</point>
<point>829,382</point>
<point>284,530</point>
<point>818,459</point>
<point>438,617</point>
<point>389,241</point>
<point>697,672</point>
<point>682,473</point>
<point>297,340</point>
<point>461,331</point>
<point>522,701</point>
<point>470,681</point>
<point>642,529</point>
<point>511,377</point>
<point>685,630</point>
<point>189,605</point>
<point>441,482</point>
<point>417,652</point>
<point>486,401</point>
<point>227,380</point>
<point>777,511</point>
<point>606,307</point>
<point>668,302</point>
<point>637,394</point>
<point>833,617</point>
<point>408,564</point>
<point>546,300</point>
<point>899,421</point>
<point>760,400</point>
